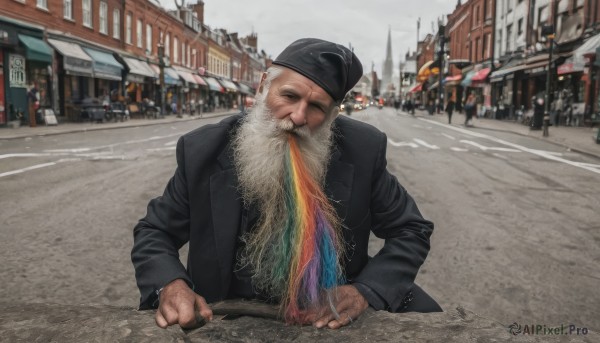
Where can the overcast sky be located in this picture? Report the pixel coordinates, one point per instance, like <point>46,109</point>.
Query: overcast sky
<point>362,23</point>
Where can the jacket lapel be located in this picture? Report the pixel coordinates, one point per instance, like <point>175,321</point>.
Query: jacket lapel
<point>226,207</point>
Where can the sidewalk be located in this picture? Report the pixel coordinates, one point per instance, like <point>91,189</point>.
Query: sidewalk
<point>578,139</point>
<point>43,130</point>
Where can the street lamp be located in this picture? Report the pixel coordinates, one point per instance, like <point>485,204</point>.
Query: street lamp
<point>548,31</point>
<point>161,66</point>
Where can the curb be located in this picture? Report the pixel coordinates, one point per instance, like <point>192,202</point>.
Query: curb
<point>129,124</point>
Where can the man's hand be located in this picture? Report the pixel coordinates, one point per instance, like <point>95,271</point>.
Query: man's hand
<point>348,303</point>
<point>180,305</point>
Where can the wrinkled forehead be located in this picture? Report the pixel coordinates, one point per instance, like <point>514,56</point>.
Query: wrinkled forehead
<point>289,80</point>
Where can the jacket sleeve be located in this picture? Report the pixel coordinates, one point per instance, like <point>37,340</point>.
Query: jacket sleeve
<point>159,236</point>
<point>395,218</point>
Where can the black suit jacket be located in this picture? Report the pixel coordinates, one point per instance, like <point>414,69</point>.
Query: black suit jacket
<point>201,205</point>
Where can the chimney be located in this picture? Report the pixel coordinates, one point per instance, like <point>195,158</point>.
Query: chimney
<point>252,40</point>
<point>198,8</point>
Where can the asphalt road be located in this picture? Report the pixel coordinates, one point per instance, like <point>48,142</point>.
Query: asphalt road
<point>517,235</point>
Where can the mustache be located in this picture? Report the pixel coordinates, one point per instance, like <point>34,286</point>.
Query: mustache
<point>287,125</point>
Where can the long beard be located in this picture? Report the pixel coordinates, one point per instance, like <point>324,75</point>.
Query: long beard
<point>281,171</point>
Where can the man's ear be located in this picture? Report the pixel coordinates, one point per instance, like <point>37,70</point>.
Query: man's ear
<point>335,112</point>
<point>262,82</point>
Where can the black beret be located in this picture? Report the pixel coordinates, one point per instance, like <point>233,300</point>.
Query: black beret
<point>333,67</point>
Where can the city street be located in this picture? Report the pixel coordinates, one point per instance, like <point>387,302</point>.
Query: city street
<point>517,235</point>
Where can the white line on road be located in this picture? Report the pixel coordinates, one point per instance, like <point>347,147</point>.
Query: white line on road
<point>410,144</point>
<point>26,154</point>
<point>19,171</point>
<point>500,156</point>
<point>448,136</point>
<point>425,144</point>
<point>458,149</point>
<point>540,153</point>
<point>170,143</point>
<point>153,138</point>
<point>485,148</point>
<point>162,149</point>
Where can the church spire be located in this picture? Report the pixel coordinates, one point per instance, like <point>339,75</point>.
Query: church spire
<point>388,66</point>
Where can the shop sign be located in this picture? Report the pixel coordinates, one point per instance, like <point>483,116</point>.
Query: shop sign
<point>17,71</point>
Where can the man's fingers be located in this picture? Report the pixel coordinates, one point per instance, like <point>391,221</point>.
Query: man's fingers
<point>160,320</point>
<point>343,320</point>
<point>203,309</point>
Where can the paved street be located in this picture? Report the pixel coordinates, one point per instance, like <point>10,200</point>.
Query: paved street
<point>517,222</point>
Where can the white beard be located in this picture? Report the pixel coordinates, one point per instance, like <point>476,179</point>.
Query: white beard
<point>260,146</point>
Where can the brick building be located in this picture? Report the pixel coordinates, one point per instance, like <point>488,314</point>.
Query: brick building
<point>68,51</point>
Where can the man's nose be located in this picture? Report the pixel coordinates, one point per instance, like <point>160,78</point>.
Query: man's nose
<point>298,115</point>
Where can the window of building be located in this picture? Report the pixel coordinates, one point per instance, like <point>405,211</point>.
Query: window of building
<point>138,33</point>
<point>175,50</point>
<point>128,28</point>
<point>168,45</point>
<point>509,6</point>
<point>116,24</point>
<point>485,47</point>
<point>86,6</point>
<point>182,54</point>
<point>148,39</point>
<point>542,15</point>
<point>103,17</point>
<point>520,27</point>
<point>42,4</point>
<point>508,36</point>
<point>188,60</point>
<point>194,58</point>
<point>68,9</point>
<point>579,3</point>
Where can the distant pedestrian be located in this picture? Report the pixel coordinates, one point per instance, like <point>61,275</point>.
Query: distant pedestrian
<point>470,109</point>
<point>449,110</point>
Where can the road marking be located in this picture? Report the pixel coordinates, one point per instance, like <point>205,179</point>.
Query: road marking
<point>410,144</point>
<point>170,143</point>
<point>458,149</point>
<point>425,144</point>
<point>24,155</point>
<point>539,153</point>
<point>500,156</point>
<point>19,171</point>
<point>448,136</point>
<point>69,150</point>
<point>162,149</point>
<point>485,148</point>
<point>153,138</point>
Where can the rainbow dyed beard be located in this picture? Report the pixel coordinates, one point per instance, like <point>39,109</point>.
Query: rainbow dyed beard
<point>295,248</point>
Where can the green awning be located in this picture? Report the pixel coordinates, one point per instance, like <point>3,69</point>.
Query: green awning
<point>105,65</point>
<point>37,49</point>
<point>466,82</point>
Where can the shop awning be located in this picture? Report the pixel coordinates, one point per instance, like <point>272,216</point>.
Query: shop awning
<point>597,63</point>
<point>186,76</point>
<point>417,88</point>
<point>425,72</point>
<point>509,67</point>
<point>229,85</point>
<point>433,86</point>
<point>569,67</point>
<point>138,70</point>
<point>75,60</point>
<point>213,84</point>
<point>481,75</point>
<point>36,49</point>
<point>466,82</point>
<point>245,89</point>
<point>200,80</point>
<point>451,81</point>
<point>105,65</point>
<point>171,76</point>
<point>588,48</point>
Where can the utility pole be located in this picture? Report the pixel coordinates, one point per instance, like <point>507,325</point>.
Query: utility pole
<point>548,96</point>
<point>441,53</point>
<point>161,65</point>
